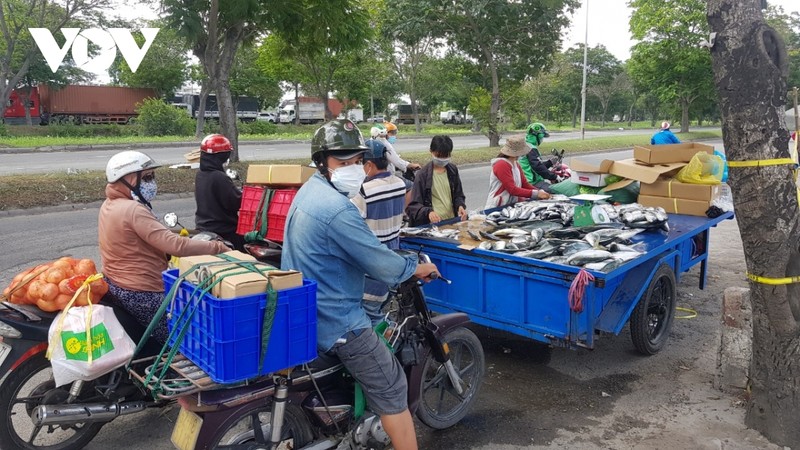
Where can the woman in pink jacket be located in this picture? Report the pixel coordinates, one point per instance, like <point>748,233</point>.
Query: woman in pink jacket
<point>507,183</point>
<point>133,244</point>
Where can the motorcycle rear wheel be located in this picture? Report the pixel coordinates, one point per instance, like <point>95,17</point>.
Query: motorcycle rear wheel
<point>240,430</point>
<point>28,386</point>
<point>440,406</point>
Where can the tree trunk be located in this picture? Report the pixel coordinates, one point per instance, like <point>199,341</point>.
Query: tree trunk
<point>684,115</point>
<point>201,110</point>
<point>297,103</point>
<point>630,115</point>
<point>575,114</point>
<point>750,70</point>
<point>25,98</point>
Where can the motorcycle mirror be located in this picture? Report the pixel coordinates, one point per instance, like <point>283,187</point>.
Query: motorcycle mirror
<point>171,219</point>
<point>232,174</point>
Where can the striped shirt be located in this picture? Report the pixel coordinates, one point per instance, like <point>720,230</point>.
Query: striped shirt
<point>382,202</point>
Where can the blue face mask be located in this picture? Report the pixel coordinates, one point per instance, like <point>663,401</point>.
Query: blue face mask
<point>149,189</point>
<point>392,139</point>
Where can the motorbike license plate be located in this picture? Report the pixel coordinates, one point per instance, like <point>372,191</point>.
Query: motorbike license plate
<point>5,350</point>
<point>187,427</point>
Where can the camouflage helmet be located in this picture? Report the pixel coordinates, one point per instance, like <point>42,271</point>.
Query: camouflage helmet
<point>339,138</point>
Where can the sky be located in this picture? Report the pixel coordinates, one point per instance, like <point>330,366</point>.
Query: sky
<point>608,22</point>
<point>608,25</point>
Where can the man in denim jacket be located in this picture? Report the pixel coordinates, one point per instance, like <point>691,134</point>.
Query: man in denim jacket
<point>327,239</point>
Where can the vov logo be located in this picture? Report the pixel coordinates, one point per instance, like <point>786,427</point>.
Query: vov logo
<point>107,40</point>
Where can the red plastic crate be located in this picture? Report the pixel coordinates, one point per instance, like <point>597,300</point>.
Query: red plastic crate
<point>276,211</point>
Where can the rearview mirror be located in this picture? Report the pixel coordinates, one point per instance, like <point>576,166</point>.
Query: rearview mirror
<point>171,219</point>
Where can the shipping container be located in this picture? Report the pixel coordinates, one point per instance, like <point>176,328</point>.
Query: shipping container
<point>91,104</point>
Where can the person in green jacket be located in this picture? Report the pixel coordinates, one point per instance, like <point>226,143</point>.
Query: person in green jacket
<point>537,171</point>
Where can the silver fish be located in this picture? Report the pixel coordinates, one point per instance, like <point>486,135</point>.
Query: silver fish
<point>557,259</point>
<point>588,256</point>
<point>489,236</point>
<point>536,235</point>
<point>474,235</point>
<point>485,245</point>
<point>510,232</point>
<point>606,265</point>
<point>626,256</point>
<point>499,245</point>
<point>410,231</point>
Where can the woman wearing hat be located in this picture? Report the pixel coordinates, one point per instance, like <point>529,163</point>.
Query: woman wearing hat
<point>507,184</point>
<point>664,136</point>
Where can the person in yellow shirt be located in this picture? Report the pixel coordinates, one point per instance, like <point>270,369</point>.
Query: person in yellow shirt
<point>437,194</point>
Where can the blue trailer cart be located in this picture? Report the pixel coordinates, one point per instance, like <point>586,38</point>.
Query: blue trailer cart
<point>529,297</point>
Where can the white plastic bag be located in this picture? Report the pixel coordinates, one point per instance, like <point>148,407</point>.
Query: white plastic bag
<point>111,347</point>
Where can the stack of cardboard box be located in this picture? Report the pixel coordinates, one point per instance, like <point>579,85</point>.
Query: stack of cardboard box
<point>653,166</point>
<point>237,281</point>
<point>283,180</point>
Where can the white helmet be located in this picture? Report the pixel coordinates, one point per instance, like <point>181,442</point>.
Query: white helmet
<point>127,162</point>
<point>377,131</point>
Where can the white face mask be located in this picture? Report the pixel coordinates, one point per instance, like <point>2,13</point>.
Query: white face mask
<point>348,179</point>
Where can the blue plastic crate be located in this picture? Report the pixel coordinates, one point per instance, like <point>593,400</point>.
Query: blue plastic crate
<point>224,336</point>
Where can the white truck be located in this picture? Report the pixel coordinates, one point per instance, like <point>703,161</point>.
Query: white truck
<point>309,112</point>
<point>356,115</point>
<point>451,116</point>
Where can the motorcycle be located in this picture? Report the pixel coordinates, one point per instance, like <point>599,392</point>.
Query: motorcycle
<point>318,406</point>
<point>559,169</point>
<point>34,412</point>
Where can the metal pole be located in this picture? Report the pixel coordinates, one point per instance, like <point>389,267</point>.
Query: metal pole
<point>796,117</point>
<point>583,86</point>
<point>371,106</point>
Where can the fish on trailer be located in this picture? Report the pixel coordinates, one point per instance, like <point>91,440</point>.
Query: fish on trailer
<point>588,256</point>
<point>556,259</point>
<point>499,245</point>
<point>536,235</point>
<point>510,232</point>
<point>489,236</point>
<point>626,256</point>
<point>485,245</point>
<point>474,235</point>
<point>575,246</point>
<point>410,231</point>
<point>564,233</point>
<point>606,265</point>
<point>544,225</point>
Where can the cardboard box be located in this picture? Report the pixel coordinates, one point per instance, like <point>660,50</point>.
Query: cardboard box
<point>239,281</point>
<point>645,173</point>
<point>668,187</point>
<point>669,153</point>
<point>279,174</point>
<point>677,205</point>
<point>586,173</point>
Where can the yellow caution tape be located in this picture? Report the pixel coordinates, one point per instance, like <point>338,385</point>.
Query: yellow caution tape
<point>691,314</point>
<point>773,281</point>
<point>762,162</point>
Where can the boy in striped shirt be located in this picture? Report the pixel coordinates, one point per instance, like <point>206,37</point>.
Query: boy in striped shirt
<point>381,202</point>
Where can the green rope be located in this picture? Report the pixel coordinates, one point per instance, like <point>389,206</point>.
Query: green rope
<point>260,226</point>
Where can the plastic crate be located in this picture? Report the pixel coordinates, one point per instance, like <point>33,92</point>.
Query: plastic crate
<point>224,335</point>
<point>277,210</point>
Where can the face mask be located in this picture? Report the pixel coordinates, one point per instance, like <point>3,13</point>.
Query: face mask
<point>441,162</point>
<point>392,139</point>
<point>348,179</point>
<point>149,189</point>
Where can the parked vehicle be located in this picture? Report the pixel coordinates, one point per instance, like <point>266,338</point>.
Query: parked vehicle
<point>311,110</point>
<point>452,116</point>
<point>443,361</point>
<point>76,104</point>
<point>356,115</point>
<point>376,119</point>
<point>247,108</point>
<point>406,115</point>
<point>267,117</point>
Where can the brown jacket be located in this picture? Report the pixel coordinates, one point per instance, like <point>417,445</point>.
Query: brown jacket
<point>134,244</point>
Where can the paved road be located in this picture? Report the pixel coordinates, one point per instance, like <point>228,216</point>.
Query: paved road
<point>46,162</point>
<point>522,404</point>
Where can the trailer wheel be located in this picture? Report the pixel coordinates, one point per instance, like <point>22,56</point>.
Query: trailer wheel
<point>652,318</point>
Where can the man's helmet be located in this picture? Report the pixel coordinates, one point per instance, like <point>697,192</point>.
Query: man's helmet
<point>215,143</point>
<point>339,138</point>
<point>377,131</point>
<point>390,127</point>
<point>538,128</point>
<point>126,162</point>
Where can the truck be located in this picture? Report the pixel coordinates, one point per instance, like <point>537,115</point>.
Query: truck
<point>14,112</point>
<point>247,108</point>
<point>356,115</point>
<point>406,115</point>
<point>311,110</point>
<point>452,116</point>
<point>91,104</point>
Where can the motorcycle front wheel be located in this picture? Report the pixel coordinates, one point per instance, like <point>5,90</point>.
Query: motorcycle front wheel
<point>252,428</point>
<point>441,406</point>
<point>28,386</point>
